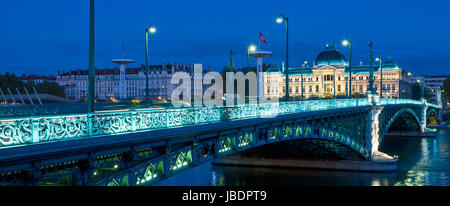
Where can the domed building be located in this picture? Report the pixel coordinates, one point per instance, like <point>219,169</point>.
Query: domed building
<point>330,56</point>
<point>329,77</point>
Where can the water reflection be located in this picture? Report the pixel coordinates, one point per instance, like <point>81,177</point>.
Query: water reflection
<point>432,166</point>
<point>422,161</point>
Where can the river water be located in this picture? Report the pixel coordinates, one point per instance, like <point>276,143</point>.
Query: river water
<point>422,161</point>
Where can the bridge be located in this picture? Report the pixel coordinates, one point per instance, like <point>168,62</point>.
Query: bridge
<point>142,147</point>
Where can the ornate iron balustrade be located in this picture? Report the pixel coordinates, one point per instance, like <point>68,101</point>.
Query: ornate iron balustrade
<point>404,101</point>
<point>34,130</point>
<point>274,109</point>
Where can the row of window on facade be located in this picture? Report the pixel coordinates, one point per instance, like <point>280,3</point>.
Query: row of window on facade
<point>326,78</point>
<point>386,87</point>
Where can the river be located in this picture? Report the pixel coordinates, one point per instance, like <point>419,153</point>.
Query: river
<point>422,161</point>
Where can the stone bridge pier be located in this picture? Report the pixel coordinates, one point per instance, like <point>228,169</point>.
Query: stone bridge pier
<point>423,116</point>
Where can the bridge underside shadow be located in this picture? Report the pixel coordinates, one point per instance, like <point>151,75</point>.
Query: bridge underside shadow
<point>303,149</point>
<point>405,122</point>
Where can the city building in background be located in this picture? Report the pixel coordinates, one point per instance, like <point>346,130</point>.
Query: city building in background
<point>36,78</point>
<point>124,83</point>
<point>328,77</point>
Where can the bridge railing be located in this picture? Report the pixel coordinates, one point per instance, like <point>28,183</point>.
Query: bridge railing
<point>41,129</point>
<point>278,108</point>
<point>404,101</point>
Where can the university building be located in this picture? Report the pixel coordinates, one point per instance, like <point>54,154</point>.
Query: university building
<point>329,77</point>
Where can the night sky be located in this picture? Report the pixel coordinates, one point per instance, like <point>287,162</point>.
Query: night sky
<point>45,36</point>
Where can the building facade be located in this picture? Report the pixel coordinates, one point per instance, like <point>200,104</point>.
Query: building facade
<point>36,78</point>
<point>110,84</point>
<point>329,77</point>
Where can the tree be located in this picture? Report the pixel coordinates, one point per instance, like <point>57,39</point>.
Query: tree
<point>52,88</point>
<point>12,82</point>
<point>446,89</point>
<point>416,92</point>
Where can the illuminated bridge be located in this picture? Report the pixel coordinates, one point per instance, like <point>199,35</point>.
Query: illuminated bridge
<point>142,147</point>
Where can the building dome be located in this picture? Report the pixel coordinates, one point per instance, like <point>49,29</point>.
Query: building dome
<point>330,56</point>
<point>389,63</point>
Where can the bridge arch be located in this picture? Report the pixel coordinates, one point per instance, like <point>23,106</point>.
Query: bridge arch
<point>395,117</point>
<point>310,133</point>
<point>185,158</point>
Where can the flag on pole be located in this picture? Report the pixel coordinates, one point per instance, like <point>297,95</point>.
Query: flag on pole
<point>262,38</point>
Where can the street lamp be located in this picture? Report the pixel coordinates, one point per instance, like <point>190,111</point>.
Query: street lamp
<point>301,76</point>
<point>279,20</point>
<point>251,48</point>
<point>152,30</point>
<point>91,73</point>
<point>422,89</point>
<point>381,75</point>
<point>348,43</point>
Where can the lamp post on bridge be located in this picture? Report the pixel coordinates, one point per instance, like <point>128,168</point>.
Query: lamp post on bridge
<point>152,30</point>
<point>371,81</point>
<point>280,19</point>
<point>371,92</point>
<point>381,76</point>
<point>346,42</point>
<point>91,74</point>
<point>301,77</point>
<point>422,89</point>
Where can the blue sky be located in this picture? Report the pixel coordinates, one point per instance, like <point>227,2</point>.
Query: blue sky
<point>45,36</point>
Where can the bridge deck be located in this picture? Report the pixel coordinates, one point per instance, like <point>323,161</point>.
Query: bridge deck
<point>38,130</point>
<point>20,157</point>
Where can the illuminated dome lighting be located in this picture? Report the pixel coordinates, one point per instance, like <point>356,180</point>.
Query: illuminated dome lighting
<point>330,56</point>
<point>390,64</point>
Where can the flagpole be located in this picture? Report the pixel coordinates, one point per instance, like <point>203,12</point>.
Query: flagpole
<point>259,42</point>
